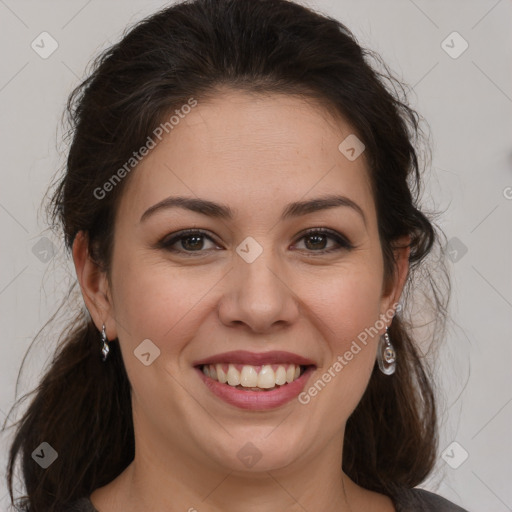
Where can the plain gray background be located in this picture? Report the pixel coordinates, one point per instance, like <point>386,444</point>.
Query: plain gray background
<point>466,99</point>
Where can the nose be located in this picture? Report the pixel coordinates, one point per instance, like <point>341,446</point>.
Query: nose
<point>258,295</point>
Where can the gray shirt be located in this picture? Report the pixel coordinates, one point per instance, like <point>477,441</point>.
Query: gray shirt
<point>407,500</point>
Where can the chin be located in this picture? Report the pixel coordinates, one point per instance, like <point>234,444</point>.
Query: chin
<point>260,451</point>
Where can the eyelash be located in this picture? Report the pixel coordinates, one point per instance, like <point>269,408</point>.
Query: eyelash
<point>167,243</point>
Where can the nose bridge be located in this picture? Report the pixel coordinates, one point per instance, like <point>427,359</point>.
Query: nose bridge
<point>257,284</point>
<point>258,295</point>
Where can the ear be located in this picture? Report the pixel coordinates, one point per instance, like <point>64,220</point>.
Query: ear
<point>94,285</point>
<point>393,290</point>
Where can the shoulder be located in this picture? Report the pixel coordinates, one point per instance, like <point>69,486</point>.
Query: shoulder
<point>407,500</point>
<point>81,505</point>
<point>419,500</point>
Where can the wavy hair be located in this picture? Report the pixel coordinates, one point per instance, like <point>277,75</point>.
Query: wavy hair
<point>195,48</point>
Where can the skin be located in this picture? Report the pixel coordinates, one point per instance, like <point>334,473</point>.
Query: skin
<point>255,153</point>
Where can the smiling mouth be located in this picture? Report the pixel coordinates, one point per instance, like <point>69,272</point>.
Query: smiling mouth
<point>266,377</point>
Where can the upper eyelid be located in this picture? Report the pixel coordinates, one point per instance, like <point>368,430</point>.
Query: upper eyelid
<point>174,237</point>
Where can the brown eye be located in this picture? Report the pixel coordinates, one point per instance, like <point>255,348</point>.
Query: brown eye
<point>192,242</point>
<point>187,242</point>
<point>316,240</point>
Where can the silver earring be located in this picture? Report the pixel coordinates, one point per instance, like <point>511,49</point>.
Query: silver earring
<point>105,348</point>
<point>386,355</point>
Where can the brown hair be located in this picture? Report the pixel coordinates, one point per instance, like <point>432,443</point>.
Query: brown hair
<point>82,406</point>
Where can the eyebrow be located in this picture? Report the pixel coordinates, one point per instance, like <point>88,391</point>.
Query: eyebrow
<point>221,211</point>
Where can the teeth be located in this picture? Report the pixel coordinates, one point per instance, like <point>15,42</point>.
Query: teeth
<point>249,377</point>
<point>280,376</point>
<point>266,378</point>
<point>233,376</point>
<point>262,377</point>
<point>221,374</point>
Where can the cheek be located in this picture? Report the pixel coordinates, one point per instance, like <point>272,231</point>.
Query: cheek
<point>346,313</point>
<point>347,323</point>
<point>345,303</point>
<point>153,302</point>
<point>156,300</point>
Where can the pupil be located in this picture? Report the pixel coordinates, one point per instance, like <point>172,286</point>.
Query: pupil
<point>320,239</point>
<point>195,245</point>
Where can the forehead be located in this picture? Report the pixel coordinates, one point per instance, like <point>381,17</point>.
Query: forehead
<point>250,151</point>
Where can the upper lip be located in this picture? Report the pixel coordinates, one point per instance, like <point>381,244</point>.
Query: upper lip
<point>255,358</point>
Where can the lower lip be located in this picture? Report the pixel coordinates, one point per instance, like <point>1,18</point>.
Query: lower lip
<point>257,400</point>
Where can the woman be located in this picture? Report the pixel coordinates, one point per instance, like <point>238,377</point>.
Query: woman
<point>239,206</point>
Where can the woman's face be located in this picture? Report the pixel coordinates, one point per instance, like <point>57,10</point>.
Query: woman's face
<point>253,289</point>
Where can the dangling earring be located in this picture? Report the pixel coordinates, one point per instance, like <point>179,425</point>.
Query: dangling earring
<point>386,355</point>
<point>105,348</point>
